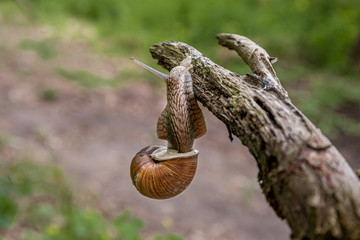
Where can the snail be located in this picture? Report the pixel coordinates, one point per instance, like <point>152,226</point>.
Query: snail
<point>161,172</point>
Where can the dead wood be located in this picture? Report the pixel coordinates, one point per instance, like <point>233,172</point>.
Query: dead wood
<point>303,176</point>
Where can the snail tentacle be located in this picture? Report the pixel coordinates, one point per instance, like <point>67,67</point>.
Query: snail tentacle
<point>162,172</point>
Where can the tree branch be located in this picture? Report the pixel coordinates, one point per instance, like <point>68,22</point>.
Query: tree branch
<point>303,176</point>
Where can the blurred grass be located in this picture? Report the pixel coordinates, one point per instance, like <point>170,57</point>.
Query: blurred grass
<point>319,32</point>
<point>87,79</point>
<point>332,102</point>
<point>48,94</point>
<point>36,202</point>
<point>44,48</point>
<point>90,80</point>
<point>312,39</point>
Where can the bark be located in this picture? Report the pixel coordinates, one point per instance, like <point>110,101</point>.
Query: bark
<point>303,176</point>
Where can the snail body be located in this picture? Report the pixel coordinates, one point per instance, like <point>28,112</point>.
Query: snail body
<point>162,172</point>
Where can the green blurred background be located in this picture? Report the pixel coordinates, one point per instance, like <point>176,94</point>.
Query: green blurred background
<point>317,43</point>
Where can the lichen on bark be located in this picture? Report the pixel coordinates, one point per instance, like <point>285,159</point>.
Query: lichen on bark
<point>303,176</point>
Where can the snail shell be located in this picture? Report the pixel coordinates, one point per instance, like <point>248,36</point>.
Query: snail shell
<point>158,172</point>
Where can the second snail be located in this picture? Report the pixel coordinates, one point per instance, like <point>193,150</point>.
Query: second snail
<point>161,172</point>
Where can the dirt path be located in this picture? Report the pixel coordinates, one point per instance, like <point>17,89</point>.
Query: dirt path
<point>93,135</point>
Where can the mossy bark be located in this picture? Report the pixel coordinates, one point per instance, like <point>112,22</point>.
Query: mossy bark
<point>303,176</point>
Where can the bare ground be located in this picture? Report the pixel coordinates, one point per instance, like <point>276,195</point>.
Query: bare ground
<point>93,135</point>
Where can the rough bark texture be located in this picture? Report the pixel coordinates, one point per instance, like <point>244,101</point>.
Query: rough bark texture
<point>303,176</point>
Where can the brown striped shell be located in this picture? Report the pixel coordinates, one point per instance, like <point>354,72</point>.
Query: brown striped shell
<point>160,174</point>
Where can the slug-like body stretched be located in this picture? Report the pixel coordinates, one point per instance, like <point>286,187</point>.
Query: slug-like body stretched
<point>180,123</point>
<point>182,120</point>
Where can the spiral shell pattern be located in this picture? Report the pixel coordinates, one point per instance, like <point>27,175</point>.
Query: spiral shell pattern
<point>162,179</point>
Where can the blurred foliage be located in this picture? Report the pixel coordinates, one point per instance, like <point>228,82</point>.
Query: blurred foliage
<point>48,94</point>
<point>90,80</point>
<point>44,48</point>
<point>312,39</point>
<point>319,31</point>
<point>36,202</point>
<point>169,236</point>
<point>87,79</point>
<point>3,142</point>
<point>332,104</point>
